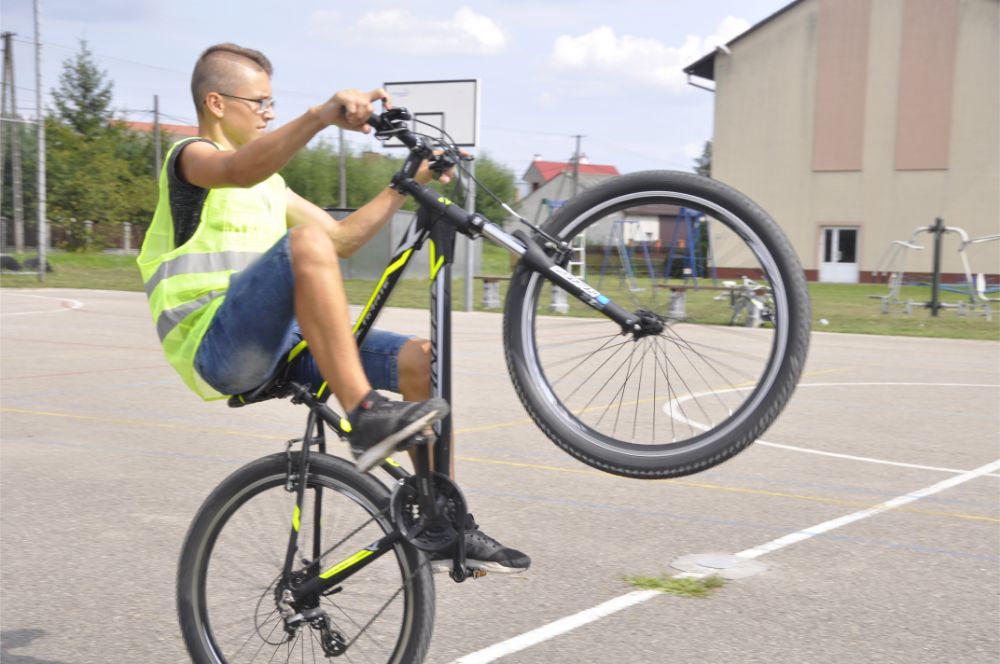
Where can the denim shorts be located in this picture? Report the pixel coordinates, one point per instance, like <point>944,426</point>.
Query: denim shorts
<point>255,327</point>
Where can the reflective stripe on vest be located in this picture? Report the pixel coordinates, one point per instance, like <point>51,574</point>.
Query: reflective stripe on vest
<point>201,263</point>
<point>171,318</point>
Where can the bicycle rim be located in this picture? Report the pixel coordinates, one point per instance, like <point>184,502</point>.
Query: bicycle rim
<point>692,396</point>
<point>382,611</point>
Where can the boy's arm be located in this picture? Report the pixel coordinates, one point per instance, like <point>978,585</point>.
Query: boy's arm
<point>204,166</point>
<point>354,230</point>
<point>350,233</point>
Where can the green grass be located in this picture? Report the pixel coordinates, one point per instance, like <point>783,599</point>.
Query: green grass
<point>683,587</point>
<point>844,307</point>
<point>80,270</point>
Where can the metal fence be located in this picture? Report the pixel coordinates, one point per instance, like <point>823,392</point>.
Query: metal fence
<point>371,260</point>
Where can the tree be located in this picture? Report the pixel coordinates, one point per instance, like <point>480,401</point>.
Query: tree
<point>96,170</point>
<point>500,180</point>
<point>105,179</point>
<point>314,174</point>
<point>703,164</point>
<point>83,98</point>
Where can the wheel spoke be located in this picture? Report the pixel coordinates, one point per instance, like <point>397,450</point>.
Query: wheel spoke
<point>713,383</point>
<point>386,600</point>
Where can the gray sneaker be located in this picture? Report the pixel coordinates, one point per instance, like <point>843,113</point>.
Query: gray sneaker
<point>380,426</point>
<point>482,552</point>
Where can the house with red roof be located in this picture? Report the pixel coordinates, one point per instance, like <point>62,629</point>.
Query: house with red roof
<point>541,172</point>
<point>171,131</point>
<point>552,185</point>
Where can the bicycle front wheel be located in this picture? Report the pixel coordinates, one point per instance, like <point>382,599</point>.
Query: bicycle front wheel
<point>232,562</point>
<point>677,402</point>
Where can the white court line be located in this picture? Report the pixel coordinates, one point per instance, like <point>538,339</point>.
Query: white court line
<point>851,457</point>
<point>561,626</point>
<point>569,623</point>
<point>72,304</point>
<point>899,501</point>
<point>669,409</point>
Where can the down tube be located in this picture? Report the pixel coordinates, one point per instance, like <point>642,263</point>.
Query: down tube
<point>441,363</point>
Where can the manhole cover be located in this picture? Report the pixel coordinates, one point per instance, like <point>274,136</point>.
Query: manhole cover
<point>725,565</point>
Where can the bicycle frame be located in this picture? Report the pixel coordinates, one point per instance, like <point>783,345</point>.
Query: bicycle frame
<point>438,221</point>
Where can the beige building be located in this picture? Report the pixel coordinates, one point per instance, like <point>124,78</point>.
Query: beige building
<point>855,122</point>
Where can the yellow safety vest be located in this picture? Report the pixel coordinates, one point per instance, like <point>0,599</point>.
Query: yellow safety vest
<point>187,284</point>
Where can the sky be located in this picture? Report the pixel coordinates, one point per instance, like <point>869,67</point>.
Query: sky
<point>609,70</point>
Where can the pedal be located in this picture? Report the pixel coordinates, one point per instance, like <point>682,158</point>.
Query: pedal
<point>416,441</point>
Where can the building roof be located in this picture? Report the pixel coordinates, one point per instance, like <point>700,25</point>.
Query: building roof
<point>147,127</point>
<point>546,170</point>
<point>705,67</point>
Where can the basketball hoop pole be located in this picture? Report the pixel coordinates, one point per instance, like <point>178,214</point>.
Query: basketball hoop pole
<point>453,107</point>
<point>470,244</point>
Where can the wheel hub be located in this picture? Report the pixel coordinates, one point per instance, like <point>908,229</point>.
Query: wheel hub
<point>648,324</point>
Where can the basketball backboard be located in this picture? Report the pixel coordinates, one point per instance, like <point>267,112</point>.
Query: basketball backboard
<point>451,105</point>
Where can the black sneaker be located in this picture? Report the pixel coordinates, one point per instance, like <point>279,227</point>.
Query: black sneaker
<point>379,425</point>
<point>482,552</point>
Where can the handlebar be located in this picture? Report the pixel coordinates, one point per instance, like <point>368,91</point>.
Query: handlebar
<point>393,123</point>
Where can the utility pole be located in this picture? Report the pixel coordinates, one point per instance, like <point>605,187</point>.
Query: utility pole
<point>43,235</point>
<point>15,142</point>
<point>343,168</point>
<point>158,156</point>
<point>576,166</point>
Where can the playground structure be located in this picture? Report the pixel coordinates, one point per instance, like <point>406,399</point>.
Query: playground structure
<point>978,295</point>
<point>693,265</point>
<point>688,261</point>
<point>625,238</point>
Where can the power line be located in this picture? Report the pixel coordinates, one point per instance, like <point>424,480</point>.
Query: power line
<point>107,57</point>
<point>529,131</point>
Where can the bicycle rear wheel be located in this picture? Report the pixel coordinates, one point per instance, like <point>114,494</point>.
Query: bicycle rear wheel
<point>235,549</point>
<point>699,392</point>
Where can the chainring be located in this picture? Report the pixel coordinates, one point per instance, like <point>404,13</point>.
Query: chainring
<point>437,534</point>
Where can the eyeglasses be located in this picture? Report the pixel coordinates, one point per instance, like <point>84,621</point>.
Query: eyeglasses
<point>264,104</point>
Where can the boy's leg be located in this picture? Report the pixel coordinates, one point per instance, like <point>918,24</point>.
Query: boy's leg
<point>378,425</point>
<point>401,364</point>
<point>321,310</point>
<point>414,362</point>
<point>413,373</point>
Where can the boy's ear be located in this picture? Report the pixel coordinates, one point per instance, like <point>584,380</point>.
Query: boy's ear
<point>214,104</point>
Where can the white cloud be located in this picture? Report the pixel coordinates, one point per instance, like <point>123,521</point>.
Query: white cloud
<point>641,59</point>
<point>693,150</point>
<point>396,30</point>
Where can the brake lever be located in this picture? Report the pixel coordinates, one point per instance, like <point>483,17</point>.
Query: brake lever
<point>442,163</point>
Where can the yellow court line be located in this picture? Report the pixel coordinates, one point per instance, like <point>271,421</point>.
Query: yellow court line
<point>516,464</point>
<point>143,423</point>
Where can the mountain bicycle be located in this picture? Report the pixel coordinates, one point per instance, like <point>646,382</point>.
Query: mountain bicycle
<point>298,555</point>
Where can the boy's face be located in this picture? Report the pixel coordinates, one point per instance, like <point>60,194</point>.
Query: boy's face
<point>246,110</point>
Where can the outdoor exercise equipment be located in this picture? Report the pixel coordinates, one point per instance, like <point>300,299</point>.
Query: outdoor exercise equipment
<point>893,266</point>
<point>577,264</point>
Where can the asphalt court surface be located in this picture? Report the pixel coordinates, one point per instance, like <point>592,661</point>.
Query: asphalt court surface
<point>872,502</point>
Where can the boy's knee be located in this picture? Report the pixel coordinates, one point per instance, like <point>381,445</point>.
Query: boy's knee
<point>310,245</point>
<point>414,363</point>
